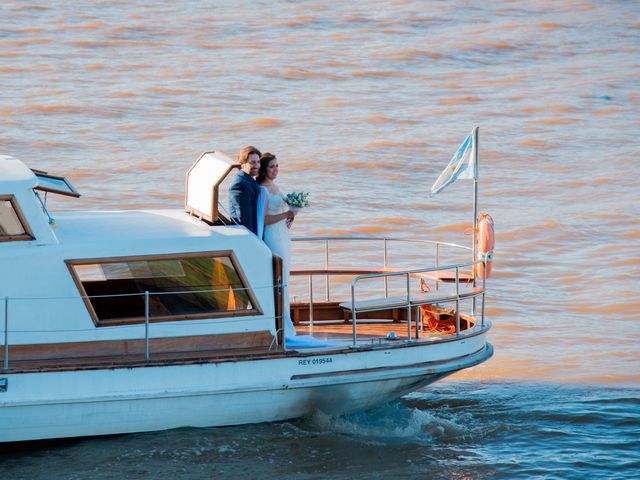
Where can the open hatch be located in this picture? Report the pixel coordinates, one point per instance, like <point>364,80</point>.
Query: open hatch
<point>54,184</point>
<point>203,186</point>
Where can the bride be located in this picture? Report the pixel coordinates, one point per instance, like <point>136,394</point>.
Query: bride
<point>277,220</point>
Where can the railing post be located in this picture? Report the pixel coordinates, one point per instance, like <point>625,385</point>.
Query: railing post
<point>326,267</point>
<point>146,325</point>
<point>353,312</point>
<point>457,300</point>
<point>6,333</point>
<point>386,279</point>
<point>437,263</point>
<point>474,267</point>
<point>408,307</point>
<point>473,299</point>
<point>484,270</point>
<point>311,301</point>
<point>484,280</point>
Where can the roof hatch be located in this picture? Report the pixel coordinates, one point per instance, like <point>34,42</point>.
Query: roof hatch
<point>54,184</point>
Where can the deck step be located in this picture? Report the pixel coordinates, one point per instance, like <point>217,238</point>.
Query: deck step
<point>373,304</point>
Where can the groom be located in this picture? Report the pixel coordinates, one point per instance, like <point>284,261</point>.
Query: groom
<point>244,190</point>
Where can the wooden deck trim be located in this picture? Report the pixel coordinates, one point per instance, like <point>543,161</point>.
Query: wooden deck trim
<point>339,271</point>
<point>47,352</point>
<point>278,296</point>
<point>448,275</point>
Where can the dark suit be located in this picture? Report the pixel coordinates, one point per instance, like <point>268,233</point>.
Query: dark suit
<point>243,200</point>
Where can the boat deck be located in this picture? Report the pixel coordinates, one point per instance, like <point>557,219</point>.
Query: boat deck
<point>338,331</point>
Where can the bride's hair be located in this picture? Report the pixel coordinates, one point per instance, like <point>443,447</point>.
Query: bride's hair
<point>265,159</point>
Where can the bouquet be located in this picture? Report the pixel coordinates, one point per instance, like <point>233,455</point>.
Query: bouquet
<point>297,199</point>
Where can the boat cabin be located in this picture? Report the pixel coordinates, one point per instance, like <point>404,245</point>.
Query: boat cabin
<point>89,283</point>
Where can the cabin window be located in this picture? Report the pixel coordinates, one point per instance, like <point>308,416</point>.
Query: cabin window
<point>12,223</point>
<point>189,286</point>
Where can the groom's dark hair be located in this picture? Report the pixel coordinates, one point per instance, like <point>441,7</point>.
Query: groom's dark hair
<point>243,155</point>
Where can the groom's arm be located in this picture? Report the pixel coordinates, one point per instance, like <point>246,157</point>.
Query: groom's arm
<point>240,195</point>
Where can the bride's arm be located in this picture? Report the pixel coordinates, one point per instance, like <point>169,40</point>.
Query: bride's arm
<point>270,219</point>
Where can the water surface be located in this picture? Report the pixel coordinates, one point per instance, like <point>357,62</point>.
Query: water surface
<point>364,106</point>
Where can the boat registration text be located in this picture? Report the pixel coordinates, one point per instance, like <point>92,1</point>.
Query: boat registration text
<point>315,361</point>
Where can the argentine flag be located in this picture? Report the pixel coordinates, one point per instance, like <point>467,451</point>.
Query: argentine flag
<point>462,165</point>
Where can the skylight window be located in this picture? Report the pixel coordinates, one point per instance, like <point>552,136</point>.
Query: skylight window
<point>54,184</point>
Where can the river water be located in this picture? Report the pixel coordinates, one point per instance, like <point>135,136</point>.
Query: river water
<point>364,104</point>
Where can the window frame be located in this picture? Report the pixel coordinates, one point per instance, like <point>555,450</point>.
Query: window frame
<point>28,235</point>
<point>254,311</point>
<point>69,192</point>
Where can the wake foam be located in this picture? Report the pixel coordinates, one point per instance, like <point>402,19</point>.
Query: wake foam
<point>396,423</point>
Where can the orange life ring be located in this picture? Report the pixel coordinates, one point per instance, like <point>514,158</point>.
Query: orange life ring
<point>485,243</point>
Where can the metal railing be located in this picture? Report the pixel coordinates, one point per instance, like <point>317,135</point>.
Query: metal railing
<point>326,240</point>
<point>397,272</point>
<point>410,302</point>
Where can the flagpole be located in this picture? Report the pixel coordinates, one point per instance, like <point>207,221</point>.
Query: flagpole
<point>475,197</point>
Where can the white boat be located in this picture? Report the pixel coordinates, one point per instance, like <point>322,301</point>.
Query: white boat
<point>131,321</point>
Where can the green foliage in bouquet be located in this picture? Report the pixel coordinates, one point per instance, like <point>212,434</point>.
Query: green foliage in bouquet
<point>297,199</point>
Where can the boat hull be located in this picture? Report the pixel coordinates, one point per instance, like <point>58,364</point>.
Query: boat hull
<point>47,405</point>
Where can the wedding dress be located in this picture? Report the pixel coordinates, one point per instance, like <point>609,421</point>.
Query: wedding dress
<point>276,236</point>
